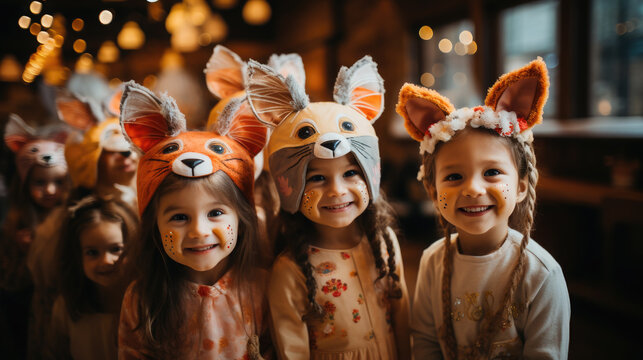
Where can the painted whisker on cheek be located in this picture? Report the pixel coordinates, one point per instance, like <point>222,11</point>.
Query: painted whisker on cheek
<point>168,242</point>
<point>500,192</point>
<point>308,202</point>
<point>363,191</point>
<point>442,199</point>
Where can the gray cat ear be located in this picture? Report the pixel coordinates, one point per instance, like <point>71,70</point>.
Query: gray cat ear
<point>147,119</point>
<point>289,64</point>
<point>362,88</point>
<point>17,133</point>
<point>225,72</point>
<point>271,97</point>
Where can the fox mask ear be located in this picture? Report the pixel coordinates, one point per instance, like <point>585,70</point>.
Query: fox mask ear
<point>361,87</point>
<point>147,119</point>
<point>239,123</point>
<point>523,91</point>
<point>272,98</point>
<point>225,73</point>
<point>421,107</point>
<point>289,64</point>
<point>17,133</point>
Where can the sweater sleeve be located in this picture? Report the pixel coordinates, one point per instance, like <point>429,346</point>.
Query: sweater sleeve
<point>547,325</point>
<point>57,341</point>
<point>287,298</point>
<point>401,306</point>
<point>426,344</point>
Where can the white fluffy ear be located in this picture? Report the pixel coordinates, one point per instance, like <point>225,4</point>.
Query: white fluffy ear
<point>361,87</point>
<point>17,133</point>
<point>271,97</point>
<point>289,64</point>
<point>147,119</point>
<point>225,72</point>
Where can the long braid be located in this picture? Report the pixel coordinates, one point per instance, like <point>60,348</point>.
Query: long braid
<point>446,330</point>
<point>373,234</point>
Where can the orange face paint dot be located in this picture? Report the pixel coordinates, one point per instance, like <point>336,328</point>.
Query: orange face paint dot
<point>208,344</point>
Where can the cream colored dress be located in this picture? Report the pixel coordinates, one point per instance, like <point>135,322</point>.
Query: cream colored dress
<point>361,322</point>
<point>215,328</point>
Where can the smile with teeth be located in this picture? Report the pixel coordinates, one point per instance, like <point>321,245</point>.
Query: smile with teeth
<point>202,248</point>
<point>338,206</point>
<point>475,209</point>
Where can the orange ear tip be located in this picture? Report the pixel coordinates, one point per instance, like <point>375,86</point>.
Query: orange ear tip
<point>536,69</point>
<point>410,91</point>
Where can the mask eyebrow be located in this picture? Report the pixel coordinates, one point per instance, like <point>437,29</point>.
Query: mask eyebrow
<point>295,128</point>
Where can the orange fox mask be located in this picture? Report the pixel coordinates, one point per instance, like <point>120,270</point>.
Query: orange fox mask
<point>155,126</point>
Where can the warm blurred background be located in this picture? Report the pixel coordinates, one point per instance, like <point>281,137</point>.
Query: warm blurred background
<point>590,211</point>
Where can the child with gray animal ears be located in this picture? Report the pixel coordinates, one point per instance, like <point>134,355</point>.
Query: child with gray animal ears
<point>197,291</point>
<point>486,290</point>
<point>337,291</point>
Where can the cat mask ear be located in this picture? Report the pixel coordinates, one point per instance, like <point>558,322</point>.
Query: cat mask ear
<point>289,64</point>
<point>523,91</point>
<point>239,123</point>
<point>225,73</point>
<point>273,98</point>
<point>17,133</point>
<point>361,87</point>
<point>421,108</point>
<point>75,112</point>
<point>147,119</point>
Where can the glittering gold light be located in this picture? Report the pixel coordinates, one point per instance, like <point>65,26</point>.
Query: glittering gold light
<point>472,48</point>
<point>105,17</point>
<point>34,29</point>
<point>24,22</point>
<point>256,12</point>
<point>426,33</point>
<point>216,28</point>
<point>59,40</point>
<point>108,52</point>
<point>427,79</point>
<point>176,18</point>
<point>79,45</point>
<point>460,48</point>
<point>85,63</point>
<point>35,7</point>
<point>42,37</point>
<point>185,38</point>
<point>149,81</point>
<point>445,45</point>
<point>224,4</point>
<point>10,69</point>
<point>131,36</point>
<point>604,107</point>
<point>77,24</point>
<point>46,20</point>
<point>466,37</point>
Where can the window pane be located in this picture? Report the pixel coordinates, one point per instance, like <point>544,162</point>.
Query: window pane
<point>448,64</point>
<point>528,31</point>
<point>617,58</point>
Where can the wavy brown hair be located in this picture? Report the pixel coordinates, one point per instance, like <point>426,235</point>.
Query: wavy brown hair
<point>522,219</point>
<point>80,293</point>
<point>294,235</point>
<point>161,283</point>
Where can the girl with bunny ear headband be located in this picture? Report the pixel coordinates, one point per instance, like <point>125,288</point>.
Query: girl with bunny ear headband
<point>199,247</point>
<point>340,275</point>
<point>479,168</point>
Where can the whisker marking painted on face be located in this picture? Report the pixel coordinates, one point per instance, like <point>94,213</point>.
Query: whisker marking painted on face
<point>160,160</point>
<point>296,163</point>
<point>231,159</point>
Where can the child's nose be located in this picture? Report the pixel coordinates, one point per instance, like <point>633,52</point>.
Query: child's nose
<point>108,258</point>
<point>200,229</point>
<point>474,187</point>
<point>337,187</point>
<point>50,189</point>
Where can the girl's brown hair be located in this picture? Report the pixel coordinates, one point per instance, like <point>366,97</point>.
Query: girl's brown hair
<point>522,219</point>
<point>80,293</point>
<point>294,234</point>
<point>161,283</point>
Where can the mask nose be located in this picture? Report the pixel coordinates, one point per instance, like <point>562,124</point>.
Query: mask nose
<point>47,158</point>
<point>331,144</point>
<point>191,163</point>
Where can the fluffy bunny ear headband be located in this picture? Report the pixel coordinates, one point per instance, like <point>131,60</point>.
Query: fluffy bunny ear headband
<point>512,107</point>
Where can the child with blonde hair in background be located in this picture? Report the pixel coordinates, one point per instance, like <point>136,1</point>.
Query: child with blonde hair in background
<point>486,290</point>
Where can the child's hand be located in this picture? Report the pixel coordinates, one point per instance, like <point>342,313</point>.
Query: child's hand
<point>24,238</point>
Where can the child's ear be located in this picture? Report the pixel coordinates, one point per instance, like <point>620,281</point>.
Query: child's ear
<point>523,189</point>
<point>239,123</point>
<point>225,72</point>
<point>17,133</point>
<point>523,91</point>
<point>147,119</point>
<point>362,88</point>
<point>421,108</point>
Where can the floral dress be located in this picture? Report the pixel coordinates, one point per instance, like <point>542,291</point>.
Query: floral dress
<point>214,325</point>
<point>360,321</point>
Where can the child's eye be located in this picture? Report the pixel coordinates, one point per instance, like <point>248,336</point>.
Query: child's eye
<point>316,178</point>
<point>350,173</point>
<point>116,249</point>
<point>179,217</point>
<point>453,177</point>
<point>91,252</point>
<point>215,213</point>
<point>492,172</point>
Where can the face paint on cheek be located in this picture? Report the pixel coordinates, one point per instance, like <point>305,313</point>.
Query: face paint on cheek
<point>362,194</point>
<point>500,193</point>
<point>227,236</point>
<point>309,203</point>
<point>168,242</point>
